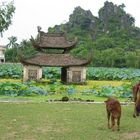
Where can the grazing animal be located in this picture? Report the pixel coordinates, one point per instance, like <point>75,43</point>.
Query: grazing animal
<point>137,101</point>
<point>113,109</point>
<point>135,90</point>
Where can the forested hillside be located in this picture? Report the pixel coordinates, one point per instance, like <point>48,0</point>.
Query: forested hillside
<point>112,38</point>
<point>112,35</point>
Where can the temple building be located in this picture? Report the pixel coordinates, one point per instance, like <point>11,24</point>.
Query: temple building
<point>73,70</point>
<point>2,54</point>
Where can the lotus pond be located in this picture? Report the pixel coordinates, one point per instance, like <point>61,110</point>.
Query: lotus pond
<point>9,70</point>
<point>101,83</point>
<point>46,91</point>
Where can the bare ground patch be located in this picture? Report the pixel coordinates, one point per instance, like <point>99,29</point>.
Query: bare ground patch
<point>51,129</point>
<point>10,135</point>
<point>131,135</point>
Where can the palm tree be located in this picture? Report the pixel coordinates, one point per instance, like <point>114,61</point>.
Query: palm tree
<point>12,42</point>
<point>13,46</point>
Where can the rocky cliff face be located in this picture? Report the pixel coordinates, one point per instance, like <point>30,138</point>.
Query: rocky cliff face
<point>112,35</point>
<point>82,18</point>
<point>111,18</point>
<point>114,17</point>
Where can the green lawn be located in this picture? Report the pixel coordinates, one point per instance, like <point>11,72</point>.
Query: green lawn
<point>63,121</point>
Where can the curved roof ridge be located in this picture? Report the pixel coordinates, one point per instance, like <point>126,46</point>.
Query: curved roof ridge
<point>54,41</point>
<point>55,60</point>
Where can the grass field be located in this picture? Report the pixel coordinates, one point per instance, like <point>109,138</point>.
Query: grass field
<point>64,121</point>
<point>52,98</point>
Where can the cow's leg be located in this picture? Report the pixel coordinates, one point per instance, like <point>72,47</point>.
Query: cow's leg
<point>135,112</point>
<point>118,123</point>
<point>108,117</point>
<point>113,123</point>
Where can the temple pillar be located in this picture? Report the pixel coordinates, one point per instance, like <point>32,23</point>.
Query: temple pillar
<point>76,75</point>
<point>32,73</point>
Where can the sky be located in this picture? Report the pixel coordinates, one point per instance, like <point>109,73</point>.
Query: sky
<point>46,13</point>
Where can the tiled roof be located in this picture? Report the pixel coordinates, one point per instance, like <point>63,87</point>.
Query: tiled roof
<point>58,60</point>
<point>53,40</point>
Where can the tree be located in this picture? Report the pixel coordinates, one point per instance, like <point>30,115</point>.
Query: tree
<point>26,48</point>
<point>12,52</point>
<point>105,43</point>
<point>6,14</point>
<point>12,42</point>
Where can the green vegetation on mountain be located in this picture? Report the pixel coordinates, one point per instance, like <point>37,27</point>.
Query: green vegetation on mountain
<point>112,39</point>
<point>112,36</point>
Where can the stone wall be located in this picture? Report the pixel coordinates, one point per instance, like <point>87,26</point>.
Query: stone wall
<point>32,73</point>
<point>76,74</point>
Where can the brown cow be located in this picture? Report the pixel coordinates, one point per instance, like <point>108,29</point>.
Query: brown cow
<point>135,90</point>
<point>136,95</point>
<point>113,109</point>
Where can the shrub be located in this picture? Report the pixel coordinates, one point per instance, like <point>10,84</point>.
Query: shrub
<point>65,99</point>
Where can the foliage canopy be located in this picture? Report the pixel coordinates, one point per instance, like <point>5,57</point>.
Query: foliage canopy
<point>6,14</point>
